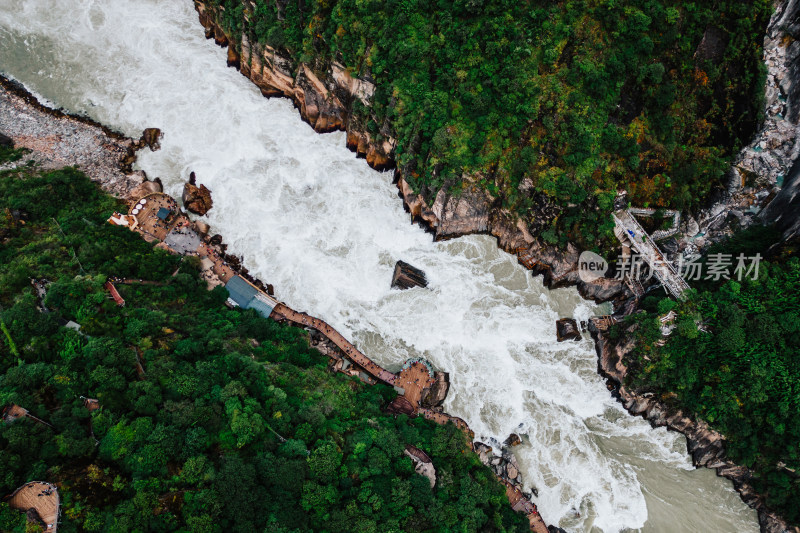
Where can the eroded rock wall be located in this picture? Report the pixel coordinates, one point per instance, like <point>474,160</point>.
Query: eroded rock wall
<point>324,92</point>
<point>705,445</point>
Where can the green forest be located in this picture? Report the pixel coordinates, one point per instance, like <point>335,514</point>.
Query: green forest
<point>557,103</point>
<point>742,375</point>
<point>232,423</point>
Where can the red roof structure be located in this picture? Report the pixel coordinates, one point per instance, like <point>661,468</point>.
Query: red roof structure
<point>114,294</point>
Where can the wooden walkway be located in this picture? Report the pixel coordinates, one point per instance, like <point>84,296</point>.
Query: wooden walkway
<point>336,338</point>
<point>109,286</point>
<point>444,418</point>
<point>521,504</point>
<point>15,412</point>
<point>40,496</point>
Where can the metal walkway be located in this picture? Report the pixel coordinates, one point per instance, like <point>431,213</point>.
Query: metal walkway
<point>628,229</point>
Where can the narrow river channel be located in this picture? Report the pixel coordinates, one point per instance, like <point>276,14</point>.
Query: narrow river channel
<point>326,230</point>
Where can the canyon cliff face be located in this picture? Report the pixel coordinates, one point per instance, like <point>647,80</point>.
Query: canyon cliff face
<point>782,126</point>
<point>763,180</point>
<point>325,93</point>
<point>706,446</point>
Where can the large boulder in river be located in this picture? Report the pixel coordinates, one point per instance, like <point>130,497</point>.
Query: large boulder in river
<point>567,329</point>
<point>435,395</point>
<point>197,199</point>
<point>406,276</point>
<point>151,137</point>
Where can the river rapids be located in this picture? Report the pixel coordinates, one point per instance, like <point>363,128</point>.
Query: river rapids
<point>326,231</point>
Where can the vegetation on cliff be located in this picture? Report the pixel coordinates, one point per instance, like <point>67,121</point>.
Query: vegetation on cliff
<point>555,104</point>
<point>231,423</point>
<point>743,374</point>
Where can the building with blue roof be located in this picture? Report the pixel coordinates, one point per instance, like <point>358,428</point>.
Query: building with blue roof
<point>247,296</point>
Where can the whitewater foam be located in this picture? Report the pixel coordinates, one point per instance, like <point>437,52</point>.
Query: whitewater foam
<point>326,231</point>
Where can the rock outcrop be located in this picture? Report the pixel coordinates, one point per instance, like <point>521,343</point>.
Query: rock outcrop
<point>422,463</point>
<point>435,395</point>
<point>406,276</point>
<point>504,465</point>
<point>705,445</point>
<point>197,199</point>
<point>151,137</point>
<point>201,228</point>
<point>143,189</point>
<point>324,92</point>
<point>567,329</point>
<point>784,210</point>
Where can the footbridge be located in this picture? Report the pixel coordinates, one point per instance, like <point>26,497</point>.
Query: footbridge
<point>628,230</point>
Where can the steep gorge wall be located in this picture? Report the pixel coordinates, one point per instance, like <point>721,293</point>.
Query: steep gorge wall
<point>705,445</point>
<point>325,94</point>
<point>780,135</point>
<point>763,180</point>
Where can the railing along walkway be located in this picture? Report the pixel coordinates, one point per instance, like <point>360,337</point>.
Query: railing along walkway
<point>651,254</point>
<point>335,337</point>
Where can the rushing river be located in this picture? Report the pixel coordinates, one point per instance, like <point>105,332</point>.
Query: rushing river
<point>326,231</point>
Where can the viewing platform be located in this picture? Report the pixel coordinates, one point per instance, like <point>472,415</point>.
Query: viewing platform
<point>39,499</point>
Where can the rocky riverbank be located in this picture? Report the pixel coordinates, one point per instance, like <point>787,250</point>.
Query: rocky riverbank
<point>706,446</point>
<point>56,139</point>
<point>325,93</point>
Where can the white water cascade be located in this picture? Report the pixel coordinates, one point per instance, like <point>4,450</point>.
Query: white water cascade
<point>326,230</point>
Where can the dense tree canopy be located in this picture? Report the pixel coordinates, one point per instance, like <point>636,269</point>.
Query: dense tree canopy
<point>743,374</point>
<point>232,423</point>
<point>556,103</point>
